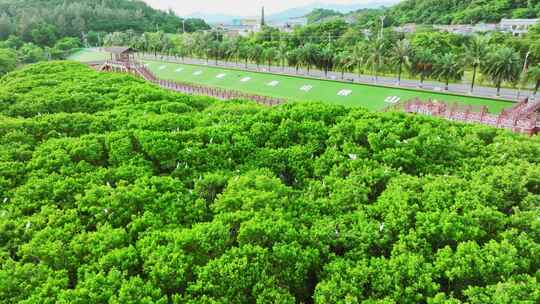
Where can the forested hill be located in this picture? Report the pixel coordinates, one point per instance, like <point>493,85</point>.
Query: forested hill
<point>71,18</point>
<point>462,11</point>
<point>113,191</point>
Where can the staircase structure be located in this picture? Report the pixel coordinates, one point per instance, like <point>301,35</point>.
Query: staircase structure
<point>521,118</point>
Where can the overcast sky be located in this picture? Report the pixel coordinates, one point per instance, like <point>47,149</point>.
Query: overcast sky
<point>237,7</point>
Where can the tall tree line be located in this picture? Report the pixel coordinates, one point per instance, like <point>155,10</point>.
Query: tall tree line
<point>498,58</point>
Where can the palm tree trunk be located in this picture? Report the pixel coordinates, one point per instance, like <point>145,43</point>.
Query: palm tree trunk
<point>246,62</point>
<point>473,77</point>
<point>342,74</point>
<point>498,89</point>
<point>536,87</point>
<point>399,73</point>
<point>422,80</point>
<point>446,85</point>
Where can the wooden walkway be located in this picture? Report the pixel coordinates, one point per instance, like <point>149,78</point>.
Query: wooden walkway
<point>521,118</point>
<point>140,70</point>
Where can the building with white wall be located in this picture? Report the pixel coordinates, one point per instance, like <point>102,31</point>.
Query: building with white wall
<point>517,27</point>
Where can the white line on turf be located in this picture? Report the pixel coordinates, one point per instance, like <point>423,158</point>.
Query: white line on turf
<point>273,83</point>
<point>392,99</point>
<point>306,88</point>
<point>221,76</point>
<point>179,70</point>
<point>245,79</point>
<point>344,93</point>
<point>197,73</point>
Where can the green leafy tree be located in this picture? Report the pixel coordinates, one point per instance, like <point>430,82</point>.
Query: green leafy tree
<point>308,55</point>
<point>294,59</point>
<point>8,61</point>
<point>256,54</point>
<point>533,75</point>
<point>475,54</point>
<point>270,55</point>
<point>399,55</point>
<point>374,59</point>
<point>44,34</point>
<point>422,64</point>
<point>7,27</point>
<point>448,67</point>
<point>344,62</point>
<point>359,55</point>
<point>30,53</point>
<point>502,65</point>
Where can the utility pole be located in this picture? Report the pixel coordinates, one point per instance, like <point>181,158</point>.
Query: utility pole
<point>183,26</point>
<point>525,63</point>
<point>262,18</point>
<point>382,26</point>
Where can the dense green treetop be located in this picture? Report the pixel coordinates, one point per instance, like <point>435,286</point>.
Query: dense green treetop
<point>113,190</point>
<point>42,21</point>
<point>462,11</point>
<point>321,14</point>
<point>451,11</point>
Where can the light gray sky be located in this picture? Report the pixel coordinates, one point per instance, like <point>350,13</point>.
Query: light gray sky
<point>238,7</point>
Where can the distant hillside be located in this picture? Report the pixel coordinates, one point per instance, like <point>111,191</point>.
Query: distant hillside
<point>300,11</point>
<point>462,11</point>
<point>71,18</point>
<point>321,14</point>
<point>338,8</point>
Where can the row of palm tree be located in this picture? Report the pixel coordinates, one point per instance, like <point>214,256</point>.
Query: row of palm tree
<point>499,64</point>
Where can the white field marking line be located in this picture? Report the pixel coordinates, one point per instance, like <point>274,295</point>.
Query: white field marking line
<point>273,83</point>
<point>221,76</point>
<point>306,88</point>
<point>245,79</point>
<point>344,93</point>
<point>197,73</point>
<point>179,70</point>
<point>392,99</point>
<point>163,67</point>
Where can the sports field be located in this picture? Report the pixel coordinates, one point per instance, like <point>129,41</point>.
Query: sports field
<point>306,89</point>
<point>88,55</point>
<point>294,88</point>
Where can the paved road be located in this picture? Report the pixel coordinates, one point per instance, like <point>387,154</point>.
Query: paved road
<point>459,88</point>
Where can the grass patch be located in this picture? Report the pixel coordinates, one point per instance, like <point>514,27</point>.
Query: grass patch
<point>307,89</point>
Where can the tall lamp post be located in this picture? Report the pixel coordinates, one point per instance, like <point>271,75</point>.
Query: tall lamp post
<point>382,26</point>
<point>525,63</point>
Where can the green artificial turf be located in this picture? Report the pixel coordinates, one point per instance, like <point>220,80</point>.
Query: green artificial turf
<point>368,96</point>
<point>88,55</point>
